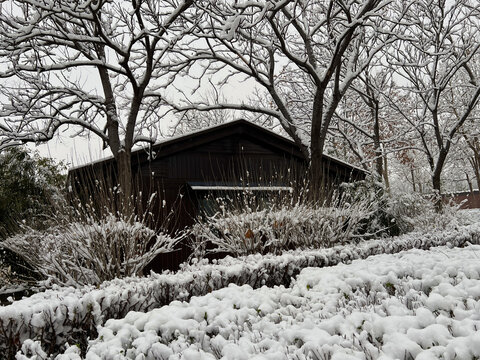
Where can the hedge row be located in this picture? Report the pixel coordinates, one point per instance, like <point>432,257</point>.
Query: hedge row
<point>67,315</point>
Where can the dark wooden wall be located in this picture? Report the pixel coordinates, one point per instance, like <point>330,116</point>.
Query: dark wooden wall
<point>231,160</point>
<point>232,155</point>
<point>471,200</point>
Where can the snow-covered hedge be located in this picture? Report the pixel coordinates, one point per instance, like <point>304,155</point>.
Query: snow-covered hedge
<point>413,305</point>
<point>71,315</point>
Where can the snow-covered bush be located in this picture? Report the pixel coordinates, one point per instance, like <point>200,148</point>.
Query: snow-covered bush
<point>62,315</point>
<point>396,212</point>
<point>413,305</point>
<point>31,189</point>
<point>414,211</point>
<point>279,225</point>
<point>91,251</point>
<point>379,221</point>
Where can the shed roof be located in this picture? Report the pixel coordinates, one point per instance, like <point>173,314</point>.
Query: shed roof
<point>170,146</point>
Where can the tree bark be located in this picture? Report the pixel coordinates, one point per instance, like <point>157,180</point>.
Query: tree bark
<point>376,140</point>
<point>470,186</point>
<point>122,153</point>
<point>476,169</point>
<point>385,173</point>
<point>413,179</point>
<point>125,182</point>
<point>317,142</point>
<point>475,160</point>
<point>436,179</point>
<point>316,175</point>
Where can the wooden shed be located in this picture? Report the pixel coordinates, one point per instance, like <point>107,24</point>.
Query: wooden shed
<point>227,157</point>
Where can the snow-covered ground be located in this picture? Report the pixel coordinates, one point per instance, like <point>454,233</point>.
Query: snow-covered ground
<point>411,305</point>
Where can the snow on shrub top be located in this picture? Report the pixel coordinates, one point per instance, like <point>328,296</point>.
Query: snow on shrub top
<point>415,304</point>
<point>92,251</point>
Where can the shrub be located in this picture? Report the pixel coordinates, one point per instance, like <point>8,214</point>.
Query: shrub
<point>274,226</point>
<point>92,250</point>
<point>30,188</point>
<point>395,213</point>
<point>414,211</point>
<point>30,191</point>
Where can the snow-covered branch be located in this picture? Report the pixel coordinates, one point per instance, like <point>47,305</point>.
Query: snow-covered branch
<point>87,64</point>
<point>303,55</point>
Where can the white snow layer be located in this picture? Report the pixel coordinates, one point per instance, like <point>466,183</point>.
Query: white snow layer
<point>411,305</point>
<point>56,316</point>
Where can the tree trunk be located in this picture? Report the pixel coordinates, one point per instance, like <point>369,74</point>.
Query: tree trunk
<point>413,178</point>
<point>436,182</point>
<point>376,140</point>
<point>125,182</point>
<point>317,141</point>
<point>316,175</point>
<point>475,162</point>
<point>477,174</point>
<point>122,198</point>
<point>385,173</point>
<point>436,177</point>
<point>470,186</point>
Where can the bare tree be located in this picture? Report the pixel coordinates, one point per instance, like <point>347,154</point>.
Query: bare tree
<point>470,132</point>
<point>443,38</point>
<point>194,120</point>
<point>98,66</point>
<point>303,54</point>
<point>197,120</point>
<point>459,172</point>
<point>366,123</point>
<point>474,157</point>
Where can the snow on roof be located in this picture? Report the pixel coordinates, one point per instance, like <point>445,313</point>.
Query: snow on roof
<point>334,158</point>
